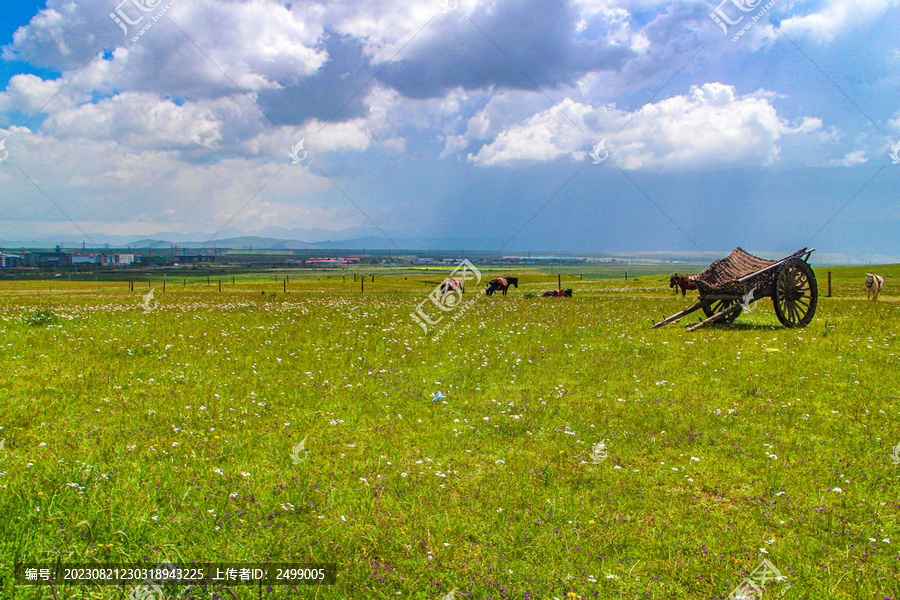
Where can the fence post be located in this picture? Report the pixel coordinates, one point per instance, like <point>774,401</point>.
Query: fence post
<point>362,285</point>
<point>558,281</point>
<point>626,275</point>
<point>220,285</point>
<point>829,284</point>
<point>284,285</point>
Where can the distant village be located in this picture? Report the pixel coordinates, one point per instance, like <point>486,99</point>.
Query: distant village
<point>85,259</point>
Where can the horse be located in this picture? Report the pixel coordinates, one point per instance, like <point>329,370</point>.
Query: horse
<point>450,285</point>
<point>685,282</point>
<point>502,284</point>
<point>874,285</point>
<point>557,294</point>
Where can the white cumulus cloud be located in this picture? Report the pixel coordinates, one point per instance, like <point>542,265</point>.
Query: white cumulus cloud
<point>851,159</point>
<point>835,17</point>
<point>709,127</point>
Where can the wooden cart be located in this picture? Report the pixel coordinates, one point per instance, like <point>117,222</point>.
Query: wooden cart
<point>732,283</point>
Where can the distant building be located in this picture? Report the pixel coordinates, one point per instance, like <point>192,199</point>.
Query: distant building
<point>8,261</point>
<point>330,262</point>
<point>59,258</point>
<point>45,259</point>
<point>191,259</point>
<point>109,259</point>
<point>80,259</point>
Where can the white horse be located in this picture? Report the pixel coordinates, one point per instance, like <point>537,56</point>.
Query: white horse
<point>874,285</point>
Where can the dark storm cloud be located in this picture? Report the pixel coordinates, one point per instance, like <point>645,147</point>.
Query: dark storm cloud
<point>336,91</point>
<point>536,35</point>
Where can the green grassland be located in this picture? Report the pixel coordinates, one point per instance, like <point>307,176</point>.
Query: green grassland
<point>172,434</point>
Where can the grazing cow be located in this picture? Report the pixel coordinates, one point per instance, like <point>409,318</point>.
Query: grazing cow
<point>557,294</point>
<point>874,285</point>
<point>502,284</point>
<point>683,282</point>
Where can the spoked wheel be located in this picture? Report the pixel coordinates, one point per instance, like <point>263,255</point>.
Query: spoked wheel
<point>719,306</point>
<point>796,293</point>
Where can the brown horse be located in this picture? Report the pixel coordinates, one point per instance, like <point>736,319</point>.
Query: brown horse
<point>501,284</point>
<point>685,282</point>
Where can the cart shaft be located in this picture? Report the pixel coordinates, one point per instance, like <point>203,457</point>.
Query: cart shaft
<point>716,317</point>
<point>686,311</point>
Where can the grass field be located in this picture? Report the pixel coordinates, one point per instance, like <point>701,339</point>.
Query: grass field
<point>171,434</point>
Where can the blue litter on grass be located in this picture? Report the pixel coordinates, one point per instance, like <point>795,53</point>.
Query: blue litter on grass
<point>438,396</point>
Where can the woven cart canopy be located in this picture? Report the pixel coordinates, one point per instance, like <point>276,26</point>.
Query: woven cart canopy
<point>722,277</point>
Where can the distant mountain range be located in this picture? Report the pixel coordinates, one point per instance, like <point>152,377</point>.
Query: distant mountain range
<point>360,239</point>
<point>270,238</point>
<point>278,236</point>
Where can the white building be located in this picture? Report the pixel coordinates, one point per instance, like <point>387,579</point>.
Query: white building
<point>117,260</point>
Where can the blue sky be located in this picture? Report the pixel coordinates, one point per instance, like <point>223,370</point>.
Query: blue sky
<point>463,119</point>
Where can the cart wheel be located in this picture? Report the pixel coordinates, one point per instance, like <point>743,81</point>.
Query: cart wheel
<point>719,306</point>
<point>796,293</point>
